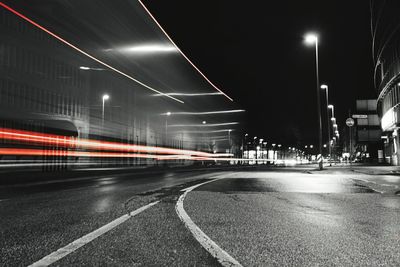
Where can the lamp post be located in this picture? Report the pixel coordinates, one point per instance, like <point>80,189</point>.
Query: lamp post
<point>333,110</point>
<point>104,98</point>
<point>313,39</point>
<point>229,138</point>
<point>255,149</point>
<point>324,86</point>
<point>166,126</point>
<point>244,144</point>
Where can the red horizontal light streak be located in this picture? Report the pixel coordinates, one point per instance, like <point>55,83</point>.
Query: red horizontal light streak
<point>83,52</point>
<point>56,153</point>
<point>70,142</point>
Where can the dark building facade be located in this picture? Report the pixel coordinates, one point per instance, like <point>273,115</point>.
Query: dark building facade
<point>368,141</point>
<point>385,26</point>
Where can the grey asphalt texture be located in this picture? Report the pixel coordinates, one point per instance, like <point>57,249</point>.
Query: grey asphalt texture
<point>264,217</point>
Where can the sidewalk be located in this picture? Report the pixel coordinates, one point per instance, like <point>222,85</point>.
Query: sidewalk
<point>383,179</point>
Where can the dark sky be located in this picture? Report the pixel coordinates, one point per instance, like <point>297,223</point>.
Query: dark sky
<point>254,51</point>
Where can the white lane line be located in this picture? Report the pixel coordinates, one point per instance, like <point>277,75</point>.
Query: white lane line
<point>221,255</point>
<point>71,247</point>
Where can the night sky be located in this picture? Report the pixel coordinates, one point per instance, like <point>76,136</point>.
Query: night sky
<point>254,51</point>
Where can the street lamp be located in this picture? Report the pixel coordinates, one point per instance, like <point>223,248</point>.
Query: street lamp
<point>166,126</point>
<point>333,110</point>
<point>244,144</point>
<point>312,39</point>
<point>229,138</point>
<point>104,98</point>
<point>326,88</point>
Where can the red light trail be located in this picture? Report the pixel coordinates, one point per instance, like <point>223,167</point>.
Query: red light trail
<point>34,138</point>
<point>83,52</point>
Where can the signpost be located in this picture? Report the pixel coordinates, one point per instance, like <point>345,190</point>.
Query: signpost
<point>350,123</point>
<point>360,116</point>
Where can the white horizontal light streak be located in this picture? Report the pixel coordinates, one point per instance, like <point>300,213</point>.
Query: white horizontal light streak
<point>204,125</point>
<point>180,51</point>
<point>146,49</point>
<point>83,52</point>
<point>189,94</point>
<point>215,131</point>
<point>206,112</point>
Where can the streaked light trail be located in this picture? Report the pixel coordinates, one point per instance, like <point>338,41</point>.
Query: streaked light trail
<point>190,94</point>
<point>205,112</point>
<point>203,124</point>
<point>83,52</point>
<point>183,54</point>
<point>50,140</point>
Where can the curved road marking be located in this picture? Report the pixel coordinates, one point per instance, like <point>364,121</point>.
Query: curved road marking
<point>71,247</point>
<point>221,255</point>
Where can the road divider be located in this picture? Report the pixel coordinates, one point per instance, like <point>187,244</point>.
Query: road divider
<point>206,242</point>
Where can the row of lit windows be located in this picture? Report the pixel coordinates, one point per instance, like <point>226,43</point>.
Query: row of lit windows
<point>27,97</point>
<point>391,99</point>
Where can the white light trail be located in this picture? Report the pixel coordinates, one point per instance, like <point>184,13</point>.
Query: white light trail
<point>203,124</point>
<point>207,112</point>
<point>146,49</point>
<point>189,94</point>
<point>83,52</point>
<point>180,51</point>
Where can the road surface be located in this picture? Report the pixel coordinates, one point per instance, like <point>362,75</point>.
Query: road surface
<point>249,217</point>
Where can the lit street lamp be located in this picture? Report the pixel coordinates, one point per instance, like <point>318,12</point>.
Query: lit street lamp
<point>104,98</point>
<point>324,86</point>
<point>166,126</point>
<point>313,39</point>
<point>229,138</point>
<point>333,110</point>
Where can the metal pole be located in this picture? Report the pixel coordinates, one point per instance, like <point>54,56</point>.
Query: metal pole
<point>329,126</point>
<point>102,116</point>
<point>166,130</point>
<point>229,137</point>
<point>319,105</point>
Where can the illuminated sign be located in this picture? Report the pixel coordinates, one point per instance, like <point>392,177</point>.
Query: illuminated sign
<point>389,120</point>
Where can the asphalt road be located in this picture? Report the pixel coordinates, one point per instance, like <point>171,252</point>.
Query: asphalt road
<point>264,217</point>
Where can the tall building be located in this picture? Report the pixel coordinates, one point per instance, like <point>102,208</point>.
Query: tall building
<point>368,142</point>
<point>385,26</point>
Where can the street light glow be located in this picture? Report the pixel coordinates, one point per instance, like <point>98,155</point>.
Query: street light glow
<point>324,86</point>
<point>330,106</point>
<point>147,49</point>
<point>168,113</point>
<point>311,38</point>
<point>106,97</point>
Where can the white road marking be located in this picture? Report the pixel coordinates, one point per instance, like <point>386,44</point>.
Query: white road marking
<point>71,247</point>
<point>221,255</point>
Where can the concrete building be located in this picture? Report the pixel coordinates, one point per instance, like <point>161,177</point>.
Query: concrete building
<point>369,144</point>
<point>385,25</point>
